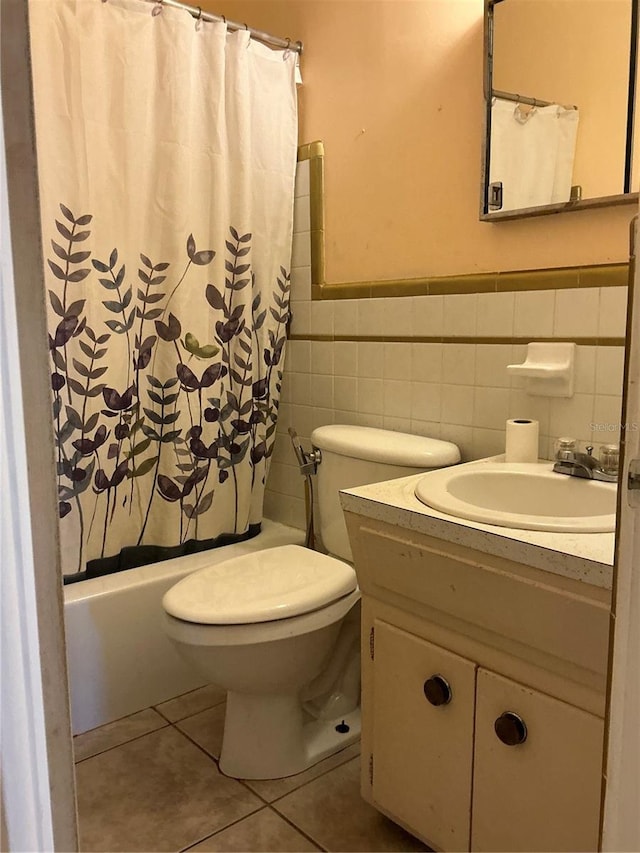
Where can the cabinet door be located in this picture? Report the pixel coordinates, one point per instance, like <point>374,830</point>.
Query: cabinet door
<point>422,752</point>
<point>543,793</point>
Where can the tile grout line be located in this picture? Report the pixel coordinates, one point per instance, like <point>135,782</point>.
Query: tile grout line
<point>122,743</point>
<point>188,716</point>
<point>296,827</point>
<point>223,828</point>
<point>319,776</point>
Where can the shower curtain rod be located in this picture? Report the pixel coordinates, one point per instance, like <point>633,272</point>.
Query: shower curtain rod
<point>258,35</point>
<point>531,102</point>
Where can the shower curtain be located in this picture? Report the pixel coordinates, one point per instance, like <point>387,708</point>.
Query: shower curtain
<point>167,150</point>
<point>532,153</point>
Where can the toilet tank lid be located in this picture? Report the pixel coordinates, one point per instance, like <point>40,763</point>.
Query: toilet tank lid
<point>382,445</point>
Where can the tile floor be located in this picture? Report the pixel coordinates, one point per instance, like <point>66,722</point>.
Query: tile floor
<point>150,782</point>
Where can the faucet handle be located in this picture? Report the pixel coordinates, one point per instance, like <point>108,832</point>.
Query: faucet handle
<point>609,458</point>
<point>564,448</point>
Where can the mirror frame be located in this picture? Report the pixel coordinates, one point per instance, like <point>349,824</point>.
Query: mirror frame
<point>546,209</point>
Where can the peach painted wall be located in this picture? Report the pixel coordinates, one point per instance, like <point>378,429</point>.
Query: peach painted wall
<point>402,196</point>
<point>572,53</point>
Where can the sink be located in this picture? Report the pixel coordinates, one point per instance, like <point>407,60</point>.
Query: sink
<point>526,496</point>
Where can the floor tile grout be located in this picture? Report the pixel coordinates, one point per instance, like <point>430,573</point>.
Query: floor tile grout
<point>215,760</point>
<point>319,776</point>
<point>188,716</point>
<point>122,743</point>
<point>222,828</point>
<point>298,828</point>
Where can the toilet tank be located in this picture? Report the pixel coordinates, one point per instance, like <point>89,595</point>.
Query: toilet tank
<point>356,456</point>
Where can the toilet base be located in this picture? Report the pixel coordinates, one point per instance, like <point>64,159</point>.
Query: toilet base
<point>270,737</point>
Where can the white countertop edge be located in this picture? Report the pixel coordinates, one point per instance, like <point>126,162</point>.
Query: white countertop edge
<point>585,557</point>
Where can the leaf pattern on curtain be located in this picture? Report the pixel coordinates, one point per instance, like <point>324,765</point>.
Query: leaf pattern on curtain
<point>161,437</point>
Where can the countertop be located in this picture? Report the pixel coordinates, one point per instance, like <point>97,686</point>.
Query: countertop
<point>586,557</point>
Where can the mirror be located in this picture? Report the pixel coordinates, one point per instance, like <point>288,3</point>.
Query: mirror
<point>560,91</point>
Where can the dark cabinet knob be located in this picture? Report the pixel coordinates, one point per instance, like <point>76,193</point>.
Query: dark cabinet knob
<point>511,728</point>
<point>437,690</point>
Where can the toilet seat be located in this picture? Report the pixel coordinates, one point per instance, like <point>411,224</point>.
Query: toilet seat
<point>260,633</point>
<point>274,584</point>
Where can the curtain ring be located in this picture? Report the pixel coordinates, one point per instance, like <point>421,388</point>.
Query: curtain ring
<point>199,18</point>
<point>157,8</point>
<point>287,50</point>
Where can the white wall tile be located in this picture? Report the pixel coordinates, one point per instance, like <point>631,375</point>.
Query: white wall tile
<point>301,283</point>
<point>300,389</point>
<point>609,369</point>
<point>345,316</point>
<point>367,419</point>
<point>300,318</point>
<point>345,358</point>
<point>301,249</point>
<point>426,401</point>
<point>585,370</point>
<point>370,359</point>
<point>370,396</point>
<point>322,317</point>
<point>430,429</point>
<point>396,398</point>
<point>396,424</point>
<point>534,313</point>
<point>491,365</point>
<point>457,404</point>
<point>460,435</point>
<point>302,178</point>
<point>458,364</point>
<point>491,407</point>
<point>607,416</point>
<point>397,361</point>
<point>322,357</point>
<point>613,312</point>
<point>300,419</point>
<point>345,393</point>
<point>302,214</point>
<point>426,362</point>
<point>572,417</point>
<point>487,442</point>
<point>518,356</point>
<point>523,405</point>
<point>342,416</point>
<point>321,391</point>
<point>576,312</point>
<point>460,314</point>
<point>495,314</point>
<point>298,356</point>
<point>371,313</point>
<point>428,313</point>
<point>398,319</point>
<point>321,417</point>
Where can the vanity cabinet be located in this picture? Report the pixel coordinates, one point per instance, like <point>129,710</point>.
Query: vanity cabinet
<point>483,694</point>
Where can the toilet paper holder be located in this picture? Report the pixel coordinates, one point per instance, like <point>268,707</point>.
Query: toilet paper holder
<point>548,369</point>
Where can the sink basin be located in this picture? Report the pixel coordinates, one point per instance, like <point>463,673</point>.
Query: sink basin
<point>526,496</point>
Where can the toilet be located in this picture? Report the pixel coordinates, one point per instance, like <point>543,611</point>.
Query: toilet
<point>279,629</point>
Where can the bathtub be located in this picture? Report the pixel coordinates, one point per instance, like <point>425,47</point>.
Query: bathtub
<point>118,656</point>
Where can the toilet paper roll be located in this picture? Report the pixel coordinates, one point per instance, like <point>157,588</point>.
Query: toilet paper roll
<point>521,443</point>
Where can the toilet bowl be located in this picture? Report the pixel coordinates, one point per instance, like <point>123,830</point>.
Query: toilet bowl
<point>264,626</point>
<point>279,629</point>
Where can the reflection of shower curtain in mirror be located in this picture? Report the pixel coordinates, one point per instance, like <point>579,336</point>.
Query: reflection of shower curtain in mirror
<point>532,153</point>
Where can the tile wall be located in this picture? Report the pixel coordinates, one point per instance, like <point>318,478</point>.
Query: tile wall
<point>460,392</point>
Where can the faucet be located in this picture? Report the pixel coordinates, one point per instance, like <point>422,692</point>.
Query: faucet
<point>585,465</point>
